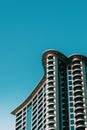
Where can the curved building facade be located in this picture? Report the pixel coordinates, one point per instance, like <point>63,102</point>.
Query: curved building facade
<point>59,101</point>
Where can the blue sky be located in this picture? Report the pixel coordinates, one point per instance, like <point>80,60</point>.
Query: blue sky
<point>27,29</point>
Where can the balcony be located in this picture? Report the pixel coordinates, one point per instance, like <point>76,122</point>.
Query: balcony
<point>79,107</point>
<point>50,59</point>
<point>51,91</point>
<point>76,64</point>
<point>48,70</point>
<point>77,71</point>
<point>50,78</point>
<point>50,82</point>
<point>78,90</point>
<point>80,120</point>
<point>78,96</point>
<point>76,74</point>
<point>51,115</point>
<point>78,93</point>
<point>51,121</point>
<point>51,108</point>
<point>50,63</point>
<point>76,61</point>
<point>78,103</point>
<point>80,126</point>
<point>77,86</point>
<point>51,97</point>
<point>52,128</point>
<point>51,73</point>
<point>79,114</point>
<point>51,103</point>
<point>77,79</point>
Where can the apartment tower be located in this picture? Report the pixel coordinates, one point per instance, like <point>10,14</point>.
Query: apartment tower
<point>59,101</point>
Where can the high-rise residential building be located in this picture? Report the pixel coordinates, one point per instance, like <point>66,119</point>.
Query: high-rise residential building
<point>59,101</point>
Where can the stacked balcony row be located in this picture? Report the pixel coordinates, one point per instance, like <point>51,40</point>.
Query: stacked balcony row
<point>78,94</point>
<point>51,94</point>
<point>39,110</point>
<point>21,120</point>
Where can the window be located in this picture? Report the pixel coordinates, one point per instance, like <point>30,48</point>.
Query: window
<point>71,115</point>
<point>69,72</point>
<point>70,87</point>
<point>72,121</point>
<point>71,104</point>
<point>70,77</point>
<point>70,82</point>
<point>71,109</point>
<point>44,90</point>
<point>69,67</point>
<point>71,98</point>
<point>72,127</point>
<point>70,93</point>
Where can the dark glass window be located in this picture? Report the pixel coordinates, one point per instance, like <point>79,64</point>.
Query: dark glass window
<point>69,72</point>
<point>70,77</point>
<point>71,109</point>
<point>72,121</point>
<point>71,98</point>
<point>44,90</point>
<point>70,87</point>
<point>71,116</point>
<point>70,82</point>
<point>69,67</point>
<point>72,127</point>
<point>70,93</point>
<point>71,104</point>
